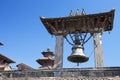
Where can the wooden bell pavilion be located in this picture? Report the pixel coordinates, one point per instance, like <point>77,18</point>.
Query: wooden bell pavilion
<point>94,24</point>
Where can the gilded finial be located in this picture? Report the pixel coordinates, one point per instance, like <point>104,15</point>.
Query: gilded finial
<point>83,12</point>
<point>71,13</point>
<point>42,17</point>
<point>113,9</point>
<point>77,12</point>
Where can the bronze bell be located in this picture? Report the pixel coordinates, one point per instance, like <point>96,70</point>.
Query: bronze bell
<point>77,55</point>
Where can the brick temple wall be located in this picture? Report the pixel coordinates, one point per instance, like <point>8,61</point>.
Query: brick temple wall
<point>68,78</point>
<point>103,73</point>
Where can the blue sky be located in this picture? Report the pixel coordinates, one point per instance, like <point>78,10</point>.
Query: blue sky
<point>25,37</point>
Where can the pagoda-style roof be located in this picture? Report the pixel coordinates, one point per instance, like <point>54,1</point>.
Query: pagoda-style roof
<point>91,23</point>
<point>44,60</point>
<point>46,54</point>
<point>6,59</point>
<point>23,66</point>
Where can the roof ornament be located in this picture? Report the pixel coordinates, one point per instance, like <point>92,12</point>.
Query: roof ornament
<point>71,13</point>
<point>77,12</point>
<point>83,12</point>
<point>42,17</point>
<point>48,49</point>
<point>113,9</point>
<point>1,44</point>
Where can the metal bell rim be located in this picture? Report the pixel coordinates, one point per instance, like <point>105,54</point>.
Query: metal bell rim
<point>80,58</point>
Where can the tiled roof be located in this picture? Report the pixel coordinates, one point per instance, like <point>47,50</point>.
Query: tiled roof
<point>6,59</point>
<point>85,24</point>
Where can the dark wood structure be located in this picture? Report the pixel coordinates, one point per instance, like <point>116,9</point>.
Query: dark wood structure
<point>90,23</point>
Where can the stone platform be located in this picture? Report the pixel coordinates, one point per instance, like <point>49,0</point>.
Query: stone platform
<point>65,73</point>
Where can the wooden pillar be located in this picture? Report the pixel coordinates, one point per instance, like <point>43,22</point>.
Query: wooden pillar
<point>58,63</point>
<point>98,50</point>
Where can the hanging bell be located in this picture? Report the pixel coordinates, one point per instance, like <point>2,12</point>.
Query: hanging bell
<point>77,55</point>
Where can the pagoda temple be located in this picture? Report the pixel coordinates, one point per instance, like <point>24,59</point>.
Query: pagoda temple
<point>47,61</point>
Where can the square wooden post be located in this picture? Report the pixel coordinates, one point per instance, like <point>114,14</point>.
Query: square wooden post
<point>58,63</point>
<point>98,50</point>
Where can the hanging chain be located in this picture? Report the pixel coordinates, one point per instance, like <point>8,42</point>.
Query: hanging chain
<point>78,38</point>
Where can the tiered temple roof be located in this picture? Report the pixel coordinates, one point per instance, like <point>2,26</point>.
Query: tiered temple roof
<point>47,61</point>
